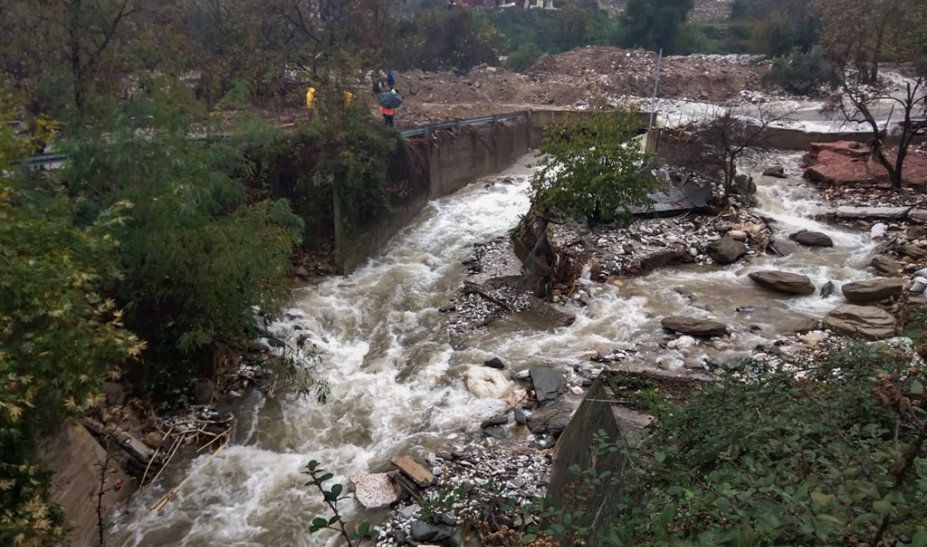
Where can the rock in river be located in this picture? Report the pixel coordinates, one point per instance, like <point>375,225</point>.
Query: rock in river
<point>375,490</point>
<point>868,321</point>
<point>726,250</point>
<point>812,239</point>
<point>548,384</point>
<point>694,326</point>
<point>873,290</point>
<point>885,265</point>
<point>784,282</point>
<point>776,171</point>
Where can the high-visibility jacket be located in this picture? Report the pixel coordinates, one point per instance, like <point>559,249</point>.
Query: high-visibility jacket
<point>310,98</point>
<point>387,111</point>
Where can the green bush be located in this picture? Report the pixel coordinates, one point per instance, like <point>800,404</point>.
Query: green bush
<point>522,58</point>
<point>197,255</point>
<point>826,456</point>
<point>60,337</point>
<point>801,73</point>
<point>595,169</point>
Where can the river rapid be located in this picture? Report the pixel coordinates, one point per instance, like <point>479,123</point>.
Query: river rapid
<point>396,374</point>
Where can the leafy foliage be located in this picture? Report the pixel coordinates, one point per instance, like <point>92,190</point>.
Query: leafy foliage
<point>653,25</point>
<point>832,455</point>
<point>802,73</point>
<point>446,40</point>
<point>60,338</point>
<point>331,496</point>
<point>595,169</point>
<point>197,254</point>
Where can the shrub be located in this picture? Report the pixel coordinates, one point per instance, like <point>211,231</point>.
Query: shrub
<point>801,73</point>
<point>832,456</point>
<point>595,169</point>
<point>60,338</point>
<point>197,254</point>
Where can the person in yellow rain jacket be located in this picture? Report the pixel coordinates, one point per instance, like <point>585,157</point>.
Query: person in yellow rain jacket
<point>310,99</point>
<point>348,100</point>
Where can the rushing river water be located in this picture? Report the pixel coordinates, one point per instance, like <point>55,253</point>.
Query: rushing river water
<point>396,379</point>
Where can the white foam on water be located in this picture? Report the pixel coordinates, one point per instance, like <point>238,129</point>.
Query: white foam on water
<point>397,382</point>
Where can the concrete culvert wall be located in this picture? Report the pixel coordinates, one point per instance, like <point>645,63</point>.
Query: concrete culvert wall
<point>430,167</point>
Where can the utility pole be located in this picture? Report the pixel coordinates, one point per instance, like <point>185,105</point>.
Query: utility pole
<point>656,84</point>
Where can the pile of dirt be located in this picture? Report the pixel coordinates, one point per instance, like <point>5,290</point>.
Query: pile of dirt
<point>619,72</point>
<point>572,79</point>
<point>568,80</point>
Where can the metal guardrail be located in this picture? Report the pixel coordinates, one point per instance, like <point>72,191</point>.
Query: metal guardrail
<point>45,161</point>
<point>457,124</point>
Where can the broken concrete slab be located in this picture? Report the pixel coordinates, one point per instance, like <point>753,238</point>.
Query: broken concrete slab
<point>887,213</point>
<point>690,196</point>
<point>410,468</point>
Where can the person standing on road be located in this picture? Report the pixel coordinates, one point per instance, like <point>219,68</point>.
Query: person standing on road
<point>389,112</point>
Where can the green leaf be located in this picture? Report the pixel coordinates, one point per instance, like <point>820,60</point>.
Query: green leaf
<point>336,490</point>
<point>883,507</point>
<point>916,387</point>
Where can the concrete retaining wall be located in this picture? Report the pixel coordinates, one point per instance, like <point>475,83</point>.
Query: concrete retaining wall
<point>439,164</point>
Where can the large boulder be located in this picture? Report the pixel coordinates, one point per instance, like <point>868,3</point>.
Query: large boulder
<point>912,251</point>
<point>783,247</point>
<point>694,326</point>
<point>552,419</point>
<point>776,171</point>
<point>783,282</point>
<point>873,290</point>
<point>885,265</point>
<point>868,321</point>
<point>726,250</point>
<point>490,383</point>
<point>812,239</point>
<point>547,383</point>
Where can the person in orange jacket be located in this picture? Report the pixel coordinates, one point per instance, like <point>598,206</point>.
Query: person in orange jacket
<point>388,113</point>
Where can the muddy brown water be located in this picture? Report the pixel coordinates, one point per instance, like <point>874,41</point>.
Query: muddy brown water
<point>396,377</point>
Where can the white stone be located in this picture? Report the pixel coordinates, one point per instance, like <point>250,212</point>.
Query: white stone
<point>878,230</point>
<point>485,382</point>
<point>374,490</point>
<point>685,342</point>
<point>918,284</point>
<point>812,339</point>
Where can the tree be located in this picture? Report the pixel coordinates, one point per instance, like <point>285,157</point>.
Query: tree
<point>866,104</point>
<point>60,337</point>
<point>733,137</point>
<point>197,254</point>
<point>653,24</point>
<point>595,168</point>
<point>65,47</point>
<point>862,33</point>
